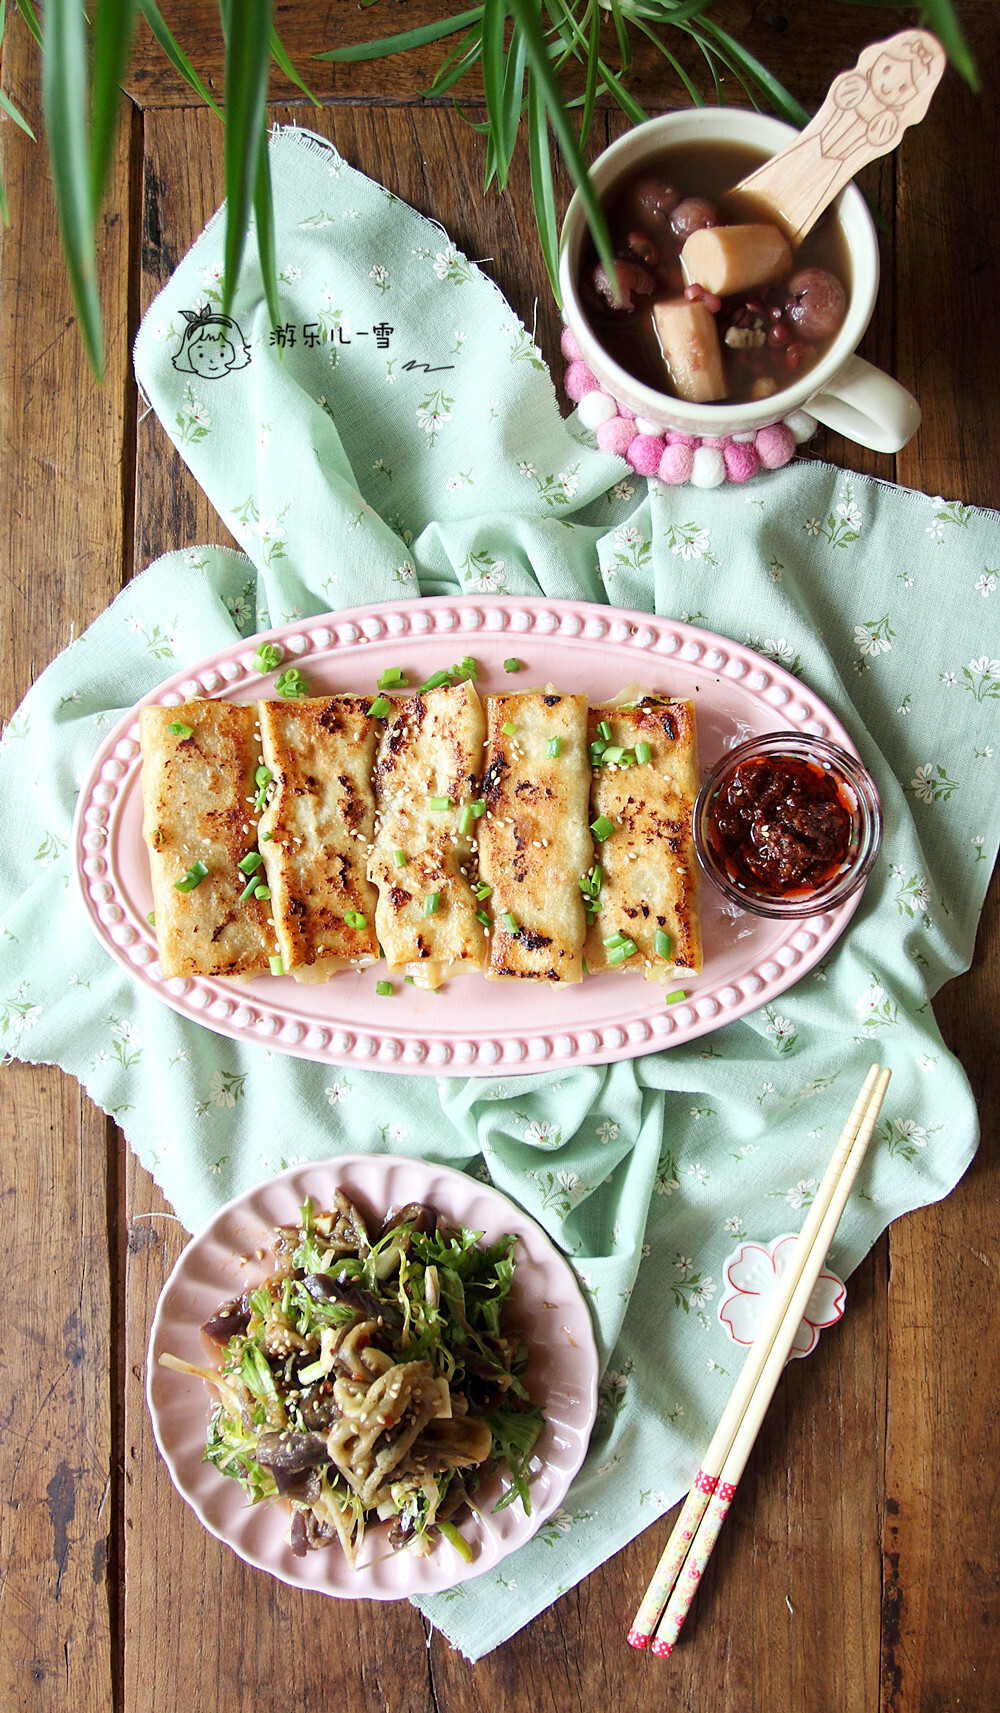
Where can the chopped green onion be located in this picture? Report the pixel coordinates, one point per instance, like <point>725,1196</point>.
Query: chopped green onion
<point>553,747</point>
<point>268,656</point>
<point>465,820</point>
<point>252,860</point>
<point>478,807</point>
<point>393,678</point>
<point>249,889</point>
<point>264,837</point>
<point>355,919</point>
<point>151,918</point>
<point>614,752</point>
<point>440,802</point>
<point>409,981</point>
<point>431,903</point>
<point>602,828</point>
<point>263,776</point>
<point>672,998</point>
<point>482,891</point>
<point>291,683</point>
<point>262,891</point>
<point>663,945</point>
<point>643,753</point>
<point>617,939</point>
<point>483,917</point>
<point>509,921</point>
<point>508,728</point>
<point>192,877</point>
<point>604,731</point>
<point>380,707</point>
<point>277,967</point>
<point>435,682</point>
<point>466,669</point>
<point>512,665</point>
<point>178,729</point>
<point>399,858</point>
<point>383,989</point>
<point>619,955</point>
<point>457,1540</point>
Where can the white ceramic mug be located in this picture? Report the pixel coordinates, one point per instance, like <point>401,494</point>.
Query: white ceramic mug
<point>841,390</point>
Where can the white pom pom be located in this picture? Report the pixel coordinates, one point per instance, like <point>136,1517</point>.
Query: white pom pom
<point>645,425</point>
<point>595,408</point>
<point>802,425</point>
<point>743,439</point>
<point>708,469</point>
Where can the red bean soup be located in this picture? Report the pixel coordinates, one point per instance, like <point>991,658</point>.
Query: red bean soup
<point>742,315</point>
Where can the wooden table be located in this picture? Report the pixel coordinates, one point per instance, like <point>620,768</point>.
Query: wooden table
<point>860,1568</point>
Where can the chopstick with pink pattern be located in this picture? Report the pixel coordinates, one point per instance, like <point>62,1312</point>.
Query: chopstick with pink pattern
<point>812,1258</point>
<point>707,1478</point>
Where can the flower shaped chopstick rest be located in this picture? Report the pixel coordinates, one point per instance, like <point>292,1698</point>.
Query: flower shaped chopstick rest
<point>751,1274</point>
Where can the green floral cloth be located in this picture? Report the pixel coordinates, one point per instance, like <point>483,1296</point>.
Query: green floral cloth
<point>350,472</point>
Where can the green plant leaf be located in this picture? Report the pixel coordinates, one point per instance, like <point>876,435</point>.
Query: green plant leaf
<point>175,53</point>
<point>779,97</point>
<point>494,22</point>
<point>247,29</point>
<point>7,106</point>
<point>30,17</point>
<point>548,90</point>
<point>399,44</point>
<point>65,105</point>
<point>112,28</point>
<point>542,191</point>
<point>692,88</point>
<point>279,54</point>
<point>941,17</point>
<point>593,68</point>
<point>263,205</point>
<point>457,63</point>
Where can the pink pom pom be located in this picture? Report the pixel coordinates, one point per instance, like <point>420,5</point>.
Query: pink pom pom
<point>741,460</point>
<point>775,445</point>
<point>580,380</point>
<point>624,411</point>
<point>674,439</point>
<point>718,444</point>
<point>569,347</point>
<point>616,436</point>
<point>676,464</point>
<point>644,454</point>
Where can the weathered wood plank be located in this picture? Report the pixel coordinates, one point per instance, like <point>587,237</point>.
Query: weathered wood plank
<point>941,1620</point>
<point>61,545</point>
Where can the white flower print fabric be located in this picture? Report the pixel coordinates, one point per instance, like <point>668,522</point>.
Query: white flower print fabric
<point>355,464</point>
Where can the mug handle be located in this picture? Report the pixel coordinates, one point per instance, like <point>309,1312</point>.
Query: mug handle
<point>867,406</point>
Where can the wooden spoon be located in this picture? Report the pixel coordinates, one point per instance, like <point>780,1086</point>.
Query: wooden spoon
<point>864,115</point>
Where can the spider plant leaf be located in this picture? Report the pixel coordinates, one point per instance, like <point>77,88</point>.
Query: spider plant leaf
<point>692,88</point>
<point>494,22</point>
<point>550,95</point>
<point>30,17</point>
<point>279,54</point>
<point>512,105</point>
<point>263,207</point>
<point>778,96</point>
<point>405,39</point>
<point>111,30</point>
<point>65,105</point>
<point>624,45</point>
<point>542,190</point>
<point>457,63</point>
<point>175,53</point>
<point>248,35</point>
<point>7,106</point>
<point>941,17</point>
<point>593,67</point>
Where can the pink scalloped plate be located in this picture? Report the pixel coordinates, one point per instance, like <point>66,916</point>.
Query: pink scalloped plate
<point>545,1299</point>
<point>472,1027</point>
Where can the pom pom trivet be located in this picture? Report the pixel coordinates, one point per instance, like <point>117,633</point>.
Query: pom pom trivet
<point>676,459</point>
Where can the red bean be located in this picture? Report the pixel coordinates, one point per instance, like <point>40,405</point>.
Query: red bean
<point>692,215</point>
<point>793,355</point>
<point>639,247</point>
<point>694,292</point>
<point>712,303</point>
<point>756,305</point>
<point>776,312</point>
<point>778,334</point>
<point>817,303</point>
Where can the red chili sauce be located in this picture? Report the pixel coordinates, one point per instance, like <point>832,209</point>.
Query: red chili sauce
<point>782,825</point>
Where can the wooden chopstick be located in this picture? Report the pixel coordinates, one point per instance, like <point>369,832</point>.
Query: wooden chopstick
<point>710,1473</point>
<point>807,1272</point>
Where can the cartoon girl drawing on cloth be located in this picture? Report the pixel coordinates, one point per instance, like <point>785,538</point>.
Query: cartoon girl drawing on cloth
<point>211,345</point>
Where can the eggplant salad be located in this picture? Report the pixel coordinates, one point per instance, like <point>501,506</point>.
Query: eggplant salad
<point>373,1379</point>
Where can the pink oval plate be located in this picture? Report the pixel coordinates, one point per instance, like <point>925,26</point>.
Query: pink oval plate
<point>221,1262</point>
<point>472,1027</point>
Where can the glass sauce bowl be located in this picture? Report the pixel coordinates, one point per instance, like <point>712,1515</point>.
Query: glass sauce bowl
<point>787,825</point>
